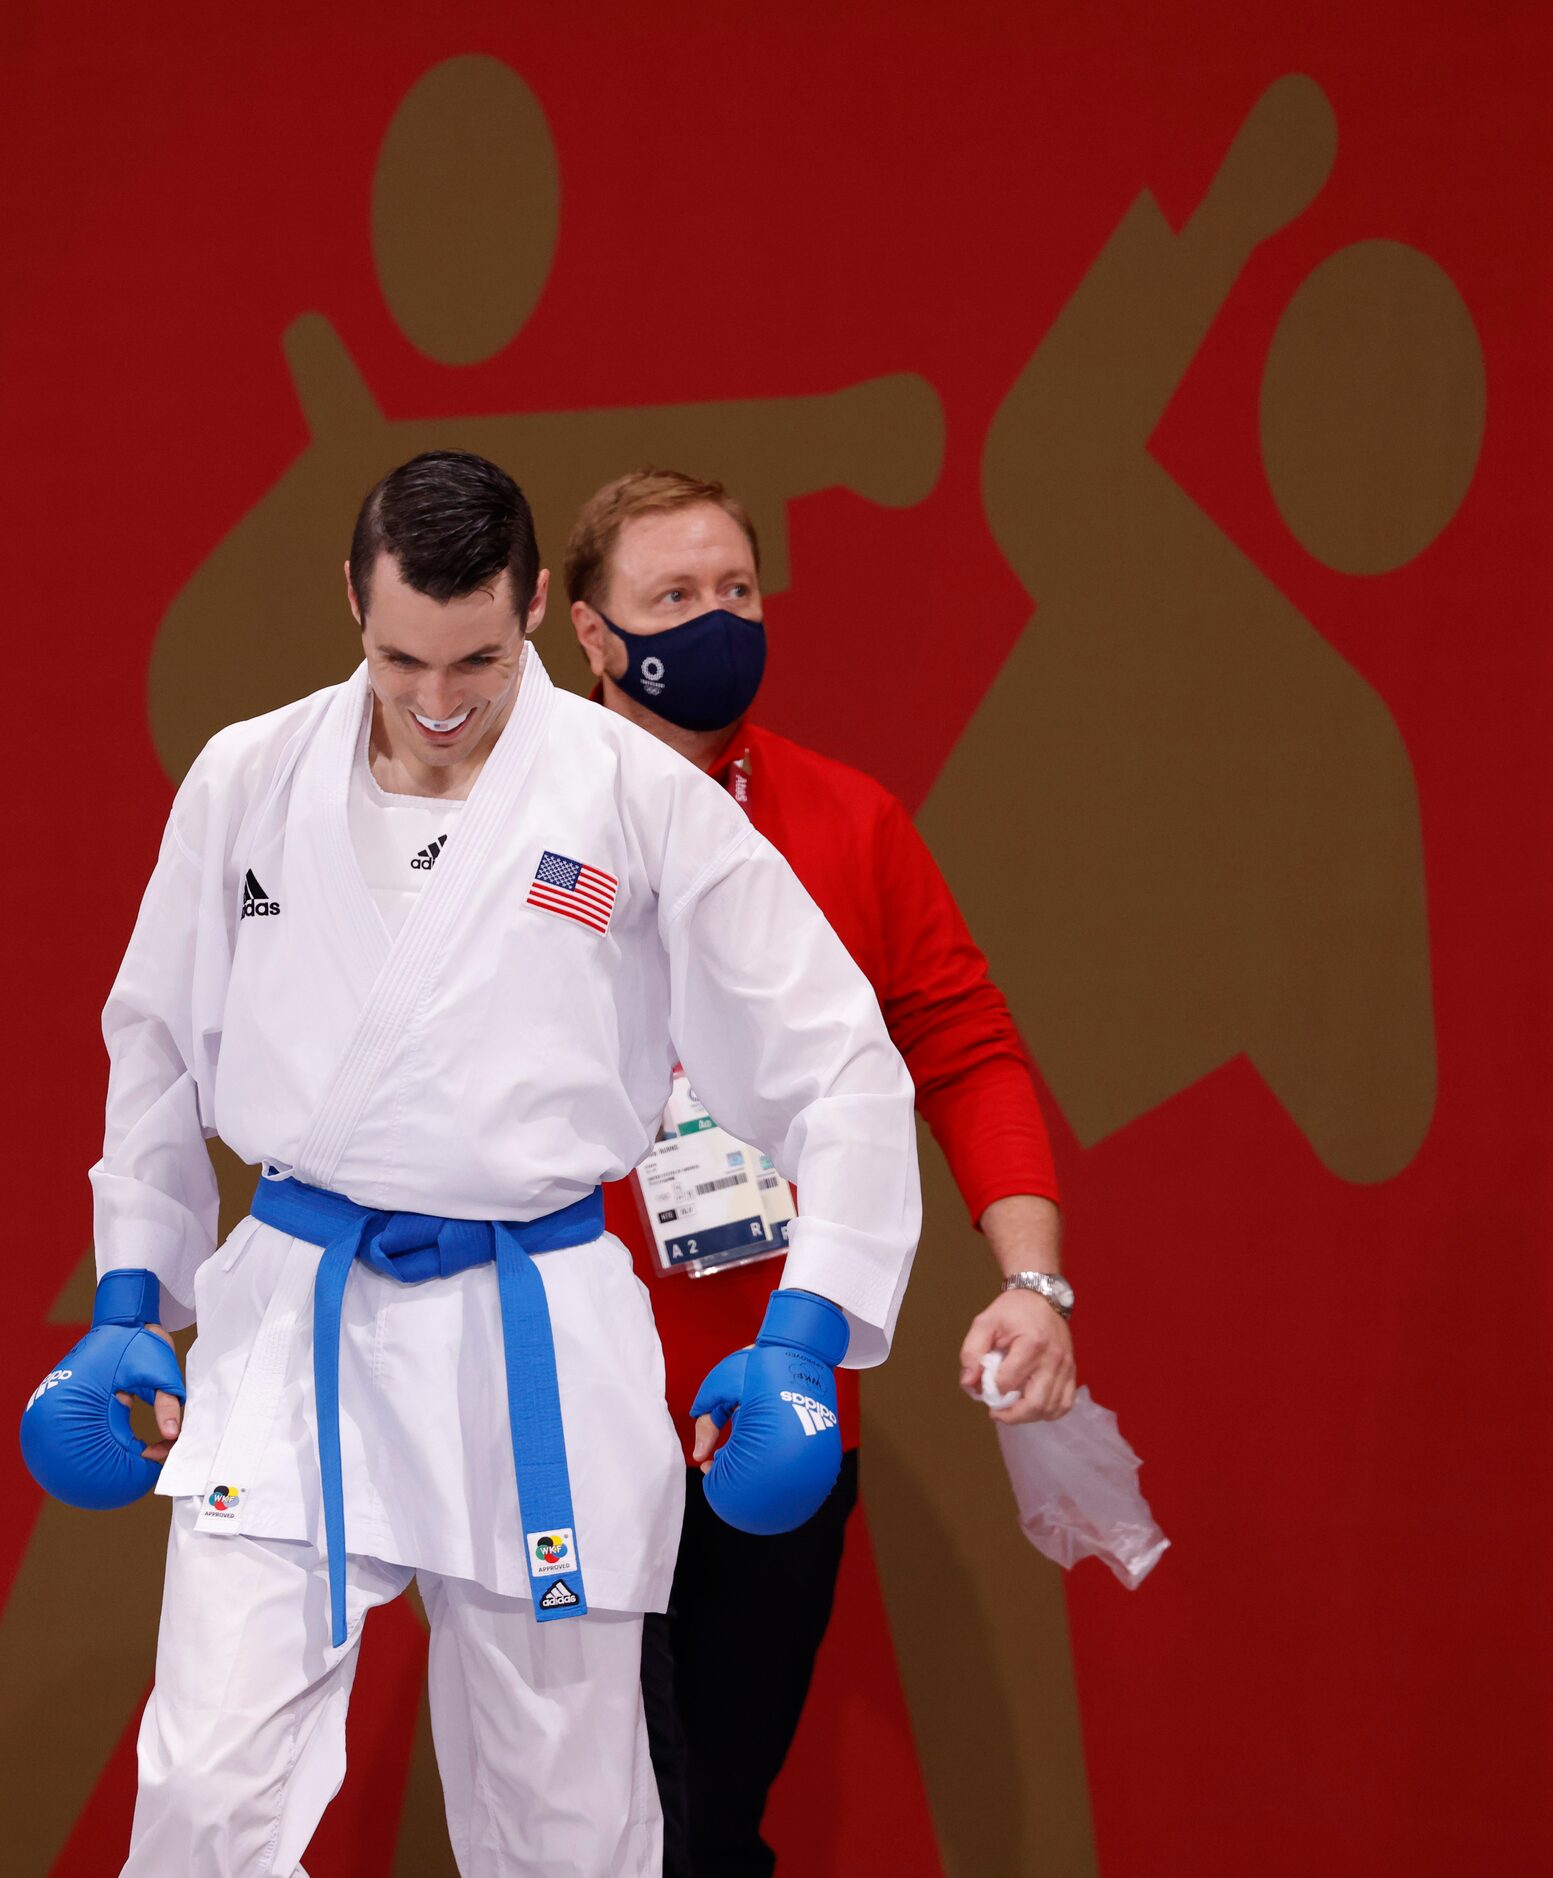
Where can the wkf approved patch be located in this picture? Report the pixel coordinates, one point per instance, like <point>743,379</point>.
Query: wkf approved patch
<point>551,1552</point>
<point>220,1509</point>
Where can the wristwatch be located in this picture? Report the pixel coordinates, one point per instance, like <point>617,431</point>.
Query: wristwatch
<point>1052,1286</point>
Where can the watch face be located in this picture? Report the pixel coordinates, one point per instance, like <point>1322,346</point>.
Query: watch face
<point>1062,1294</point>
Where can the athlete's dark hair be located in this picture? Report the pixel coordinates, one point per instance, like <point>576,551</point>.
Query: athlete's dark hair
<point>452,521</point>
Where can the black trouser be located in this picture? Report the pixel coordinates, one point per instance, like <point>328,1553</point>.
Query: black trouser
<point>725,1671</point>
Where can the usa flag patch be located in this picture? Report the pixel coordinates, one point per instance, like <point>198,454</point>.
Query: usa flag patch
<point>574,890</point>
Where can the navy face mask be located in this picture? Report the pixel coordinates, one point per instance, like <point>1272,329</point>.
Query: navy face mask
<point>702,675</point>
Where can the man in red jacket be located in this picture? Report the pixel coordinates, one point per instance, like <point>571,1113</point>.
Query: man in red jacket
<point>662,573</point>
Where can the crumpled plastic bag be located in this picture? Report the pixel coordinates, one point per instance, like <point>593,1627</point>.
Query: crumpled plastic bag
<point>1076,1485</point>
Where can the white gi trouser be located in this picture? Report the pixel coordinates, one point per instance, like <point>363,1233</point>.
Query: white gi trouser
<point>539,1729</point>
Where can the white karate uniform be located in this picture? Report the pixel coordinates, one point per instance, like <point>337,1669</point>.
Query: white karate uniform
<point>494,1059</point>
<point>398,840</point>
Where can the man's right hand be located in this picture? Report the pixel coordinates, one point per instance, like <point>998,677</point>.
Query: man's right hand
<point>167,1408</point>
<point>75,1436</point>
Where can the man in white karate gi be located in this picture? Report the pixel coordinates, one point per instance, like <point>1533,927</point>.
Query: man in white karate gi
<point>426,946</point>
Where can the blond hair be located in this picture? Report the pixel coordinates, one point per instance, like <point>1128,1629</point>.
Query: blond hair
<point>643,492</point>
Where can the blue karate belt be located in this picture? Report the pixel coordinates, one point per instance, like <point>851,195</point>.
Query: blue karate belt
<point>412,1247</point>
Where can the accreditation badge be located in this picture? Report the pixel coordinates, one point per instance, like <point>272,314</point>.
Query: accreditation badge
<point>709,1199</point>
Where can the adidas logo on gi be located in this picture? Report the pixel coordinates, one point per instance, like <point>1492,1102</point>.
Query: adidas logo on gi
<point>815,1417</point>
<point>559,1595</point>
<point>426,858</point>
<point>255,899</point>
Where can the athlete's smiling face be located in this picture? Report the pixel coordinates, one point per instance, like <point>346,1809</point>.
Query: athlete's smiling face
<point>444,673</point>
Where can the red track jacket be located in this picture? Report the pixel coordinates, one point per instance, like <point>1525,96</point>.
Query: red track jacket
<point>854,848</point>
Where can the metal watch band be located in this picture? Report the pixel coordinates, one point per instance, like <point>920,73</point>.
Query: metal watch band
<point>1052,1286</point>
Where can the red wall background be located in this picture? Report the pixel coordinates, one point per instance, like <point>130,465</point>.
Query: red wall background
<point>1342,1393</point>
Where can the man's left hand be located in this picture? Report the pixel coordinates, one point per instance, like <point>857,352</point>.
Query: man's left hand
<point>1037,1351</point>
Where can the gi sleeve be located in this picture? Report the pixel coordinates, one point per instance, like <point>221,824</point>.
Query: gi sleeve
<point>154,1190</point>
<point>783,1039</point>
<point>951,1023</point>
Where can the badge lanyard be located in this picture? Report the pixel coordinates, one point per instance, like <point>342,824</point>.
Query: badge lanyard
<point>709,1200</point>
<point>740,778</point>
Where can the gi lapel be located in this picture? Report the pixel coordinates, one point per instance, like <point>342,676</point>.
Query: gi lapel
<point>343,736</point>
<point>411,962</point>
